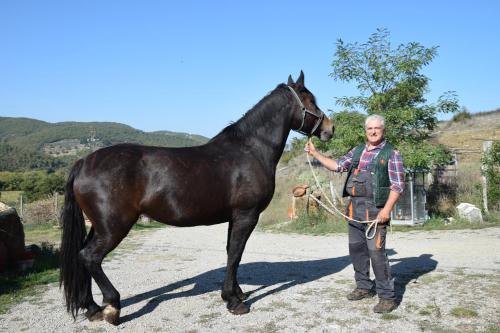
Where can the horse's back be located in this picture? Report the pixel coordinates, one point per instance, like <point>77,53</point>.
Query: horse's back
<point>179,186</point>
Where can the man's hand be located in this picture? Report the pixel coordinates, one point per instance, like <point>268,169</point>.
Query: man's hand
<point>384,216</point>
<point>309,148</point>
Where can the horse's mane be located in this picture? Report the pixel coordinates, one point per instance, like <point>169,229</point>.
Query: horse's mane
<point>255,117</point>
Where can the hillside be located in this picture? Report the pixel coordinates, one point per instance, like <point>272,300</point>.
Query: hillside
<point>466,137</point>
<point>29,143</point>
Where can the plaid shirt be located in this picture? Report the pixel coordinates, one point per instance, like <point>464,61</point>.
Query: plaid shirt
<point>395,165</point>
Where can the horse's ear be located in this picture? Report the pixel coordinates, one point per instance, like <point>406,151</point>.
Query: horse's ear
<point>290,80</point>
<point>300,80</point>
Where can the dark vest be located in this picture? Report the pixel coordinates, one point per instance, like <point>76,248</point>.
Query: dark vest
<point>379,169</point>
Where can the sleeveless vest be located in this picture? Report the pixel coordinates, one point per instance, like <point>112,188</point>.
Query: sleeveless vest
<point>379,168</point>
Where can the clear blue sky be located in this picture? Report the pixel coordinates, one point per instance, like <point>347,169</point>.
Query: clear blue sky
<point>196,66</point>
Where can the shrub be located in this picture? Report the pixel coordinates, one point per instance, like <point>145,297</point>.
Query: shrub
<point>41,211</point>
<point>461,116</point>
<point>491,162</point>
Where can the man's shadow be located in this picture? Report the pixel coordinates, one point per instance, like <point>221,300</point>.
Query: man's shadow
<point>260,274</point>
<point>406,270</point>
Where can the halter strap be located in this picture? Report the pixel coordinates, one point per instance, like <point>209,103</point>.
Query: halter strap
<point>305,111</point>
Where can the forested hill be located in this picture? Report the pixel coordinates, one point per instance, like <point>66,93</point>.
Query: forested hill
<point>33,144</point>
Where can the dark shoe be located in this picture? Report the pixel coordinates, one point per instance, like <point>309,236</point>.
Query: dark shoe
<point>358,294</point>
<point>385,306</point>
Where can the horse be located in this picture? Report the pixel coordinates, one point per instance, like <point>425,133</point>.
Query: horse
<point>230,179</point>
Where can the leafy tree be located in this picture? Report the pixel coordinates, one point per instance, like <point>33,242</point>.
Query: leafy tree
<point>391,84</point>
<point>35,184</point>
<point>491,171</point>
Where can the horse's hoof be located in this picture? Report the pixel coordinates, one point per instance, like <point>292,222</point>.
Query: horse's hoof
<point>240,309</point>
<point>94,315</point>
<point>111,314</point>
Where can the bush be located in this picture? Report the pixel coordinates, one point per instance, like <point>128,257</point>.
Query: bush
<point>41,211</point>
<point>491,162</point>
<point>461,116</point>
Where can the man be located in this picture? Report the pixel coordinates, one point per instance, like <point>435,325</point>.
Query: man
<point>374,183</point>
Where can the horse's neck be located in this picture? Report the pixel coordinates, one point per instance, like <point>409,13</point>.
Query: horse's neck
<point>262,130</point>
<point>267,141</point>
<point>272,143</point>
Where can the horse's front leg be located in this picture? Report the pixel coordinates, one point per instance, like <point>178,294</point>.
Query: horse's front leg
<point>242,226</point>
<point>241,295</point>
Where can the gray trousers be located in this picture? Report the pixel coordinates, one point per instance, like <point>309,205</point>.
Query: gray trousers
<point>363,251</point>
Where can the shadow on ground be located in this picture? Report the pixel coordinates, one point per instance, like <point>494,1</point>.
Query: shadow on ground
<point>283,275</point>
<point>408,270</point>
<point>261,274</point>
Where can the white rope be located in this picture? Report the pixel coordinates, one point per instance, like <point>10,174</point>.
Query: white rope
<point>372,224</point>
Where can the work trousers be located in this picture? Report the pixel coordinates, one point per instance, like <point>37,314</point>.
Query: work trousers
<point>363,251</point>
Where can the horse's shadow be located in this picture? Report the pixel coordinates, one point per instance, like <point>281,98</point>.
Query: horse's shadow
<point>406,270</point>
<point>282,275</point>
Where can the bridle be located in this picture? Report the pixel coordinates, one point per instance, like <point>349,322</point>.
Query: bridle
<point>305,112</point>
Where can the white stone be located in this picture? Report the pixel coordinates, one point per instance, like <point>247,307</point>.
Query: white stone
<point>4,207</point>
<point>470,212</point>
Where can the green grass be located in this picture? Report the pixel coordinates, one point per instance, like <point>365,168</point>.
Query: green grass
<point>40,233</point>
<point>16,286</point>
<point>147,226</point>
<point>390,316</point>
<point>10,197</point>
<point>318,223</point>
<point>461,312</point>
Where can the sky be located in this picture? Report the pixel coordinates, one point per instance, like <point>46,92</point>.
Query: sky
<point>196,66</point>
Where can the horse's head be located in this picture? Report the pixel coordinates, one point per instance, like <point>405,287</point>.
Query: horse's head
<point>308,118</point>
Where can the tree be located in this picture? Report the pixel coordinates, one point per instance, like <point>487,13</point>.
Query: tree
<point>491,171</point>
<point>391,84</point>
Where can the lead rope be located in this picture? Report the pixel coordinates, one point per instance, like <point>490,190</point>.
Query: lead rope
<point>372,224</point>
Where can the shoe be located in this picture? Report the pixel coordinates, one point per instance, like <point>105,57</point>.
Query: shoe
<point>358,294</point>
<point>385,306</point>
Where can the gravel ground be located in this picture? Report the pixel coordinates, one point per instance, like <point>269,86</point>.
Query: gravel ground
<point>170,281</point>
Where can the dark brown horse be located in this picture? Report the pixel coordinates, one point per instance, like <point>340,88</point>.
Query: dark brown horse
<point>229,179</point>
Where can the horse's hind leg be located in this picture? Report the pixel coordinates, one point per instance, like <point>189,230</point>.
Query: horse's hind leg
<point>243,225</point>
<point>94,311</point>
<point>92,256</point>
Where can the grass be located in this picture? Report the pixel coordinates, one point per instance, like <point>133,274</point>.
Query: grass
<point>461,312</point>
<point>15,286</point>
<point>10,197</point>
<point>317,222</point>
<point>390,316</point>
<point>42,233</point>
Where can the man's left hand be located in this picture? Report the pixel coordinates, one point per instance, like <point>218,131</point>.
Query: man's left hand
<point>383,216</point>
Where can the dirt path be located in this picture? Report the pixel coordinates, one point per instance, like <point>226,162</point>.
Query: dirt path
<point>170,281</point>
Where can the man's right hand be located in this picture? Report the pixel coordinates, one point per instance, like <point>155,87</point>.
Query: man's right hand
<point>309,148</point>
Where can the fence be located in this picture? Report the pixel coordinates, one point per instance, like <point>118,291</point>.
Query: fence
<point>40,211</point>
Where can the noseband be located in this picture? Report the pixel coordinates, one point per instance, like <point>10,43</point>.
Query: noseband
<point>305,112</point>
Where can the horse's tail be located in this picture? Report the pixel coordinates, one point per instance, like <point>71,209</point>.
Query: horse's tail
<point>74,277</point>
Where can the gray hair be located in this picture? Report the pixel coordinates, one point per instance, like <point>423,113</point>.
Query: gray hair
<point>375,117</point>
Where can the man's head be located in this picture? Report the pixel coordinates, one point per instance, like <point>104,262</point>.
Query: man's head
<point>374,129</point>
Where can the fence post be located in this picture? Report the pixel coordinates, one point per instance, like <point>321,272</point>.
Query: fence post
<point>55,203</point>
<point>21,206</point>
<point>486,150</point>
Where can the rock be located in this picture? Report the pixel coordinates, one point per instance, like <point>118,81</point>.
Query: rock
<point>4,207</point>
<point>470,212</point>
<point>11,237</point>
